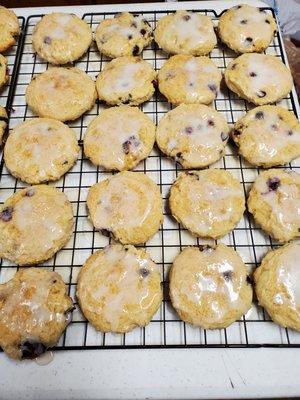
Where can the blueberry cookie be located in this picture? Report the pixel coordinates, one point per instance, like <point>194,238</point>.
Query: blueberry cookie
<point>185,33</point>
<point>40,150</point>
<point>277,285</point>
<point>259,78</point>
<point>127,205</point>
<point>3,70</point>
<point>209,286</point>
<point>61,93</point>
<point>9,28</point>
<point>194,134</point>
<point>34,312</point>
<point>119,138</point>
<point>3,123</point>
<point>274,201</point>
<point>246,29</point>
<point>267,136</point>
<point>119,288</point>
<point>208,203</point>
<point>61,38</point>
<point>35,223</point>
<point>187,79</point>
<point>126,80</point>
<point>124,35</point>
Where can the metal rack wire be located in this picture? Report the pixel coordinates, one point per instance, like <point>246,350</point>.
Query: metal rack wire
<point>165,330</point>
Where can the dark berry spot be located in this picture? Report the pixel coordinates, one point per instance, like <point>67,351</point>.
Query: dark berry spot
<point>267,21</point>
<point>186,17</point>
<point>210,122</point>
<point>290,133</point>
<point>6,214</point>
<point>233,66</point>
<point>170,75</point>
<point>237,7</point>
<point>105,232</point>
<point>191,84</point>
<point>31,350</point>
<point>213,88</point>
<point>280,117</point>
<point>144,272</point>
<point>133,25</point>
<point>236,132</point>
<point>47,40</point>
<point>143,32</point>
<point>178,155</point>
<point>261,94</point>
<point>224,136</point>
<point>249,39</point>
<point>129,37</point>
<point>30,192</point>
<point>65,162</point>
<point>244,21</point>
<point>248,280</point>
<point>253,74</point>
<point>135,50</point>
<point>259,115</point>
<point>273,183</point>
<point>54,281</point>
<point>188,130</point>
<point>274,126</point>
<point>228,275</point>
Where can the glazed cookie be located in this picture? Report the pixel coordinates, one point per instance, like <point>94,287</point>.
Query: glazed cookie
<point>277,285</point>
<point>9,28</point>
<point>61,38</point>
<point>268,136</point>
<point>209,286</point>
<point>246,29</point>
<point>61,93</point>
<point>119,288</point>
<point>187,79</point>
<point>274,201</point>
<point>186,32</point>
<point>119,138</point>
<point>259,78</point>
<point>124,35</point>
<point>3,71</point>
<point>40,150</point>
<point>194,134</point>
<point>34,312</point>
<point>208,203</point>
<point>3,123</point>
<point>126,80</point>
<point>127,205</point>
<point>35,223</point>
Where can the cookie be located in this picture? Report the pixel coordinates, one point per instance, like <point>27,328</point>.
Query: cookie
<point>185,32</point>
<point>194,134</point>
<point>277,285</point>
<point>246,29</point>
<point>3,70</point>
<point>127,205</point>
<point>40,150</point>
<point>267,136</point>
<point>119,288</point>
<point>187,79</point>
<point>34,312</point>
<point>119,138</point>
<point>35,223</point>
<point>126,80</point>
<point>61,38</point>
<point>274,201</point>
<point>209,286</point>
<point>9,28</point>
<point>208,203</point>
<point>259,78</point>
<point>61,93</point>
<point>124,35</point>
<point>3,123</point>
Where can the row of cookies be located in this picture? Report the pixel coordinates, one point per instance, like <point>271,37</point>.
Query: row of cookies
<point>63,38</point>
<point>119,288</point>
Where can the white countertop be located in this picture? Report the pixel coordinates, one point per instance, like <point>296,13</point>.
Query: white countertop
<point>164,373</point>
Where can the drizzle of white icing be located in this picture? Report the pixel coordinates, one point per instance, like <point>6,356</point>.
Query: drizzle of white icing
<point>125,81</point>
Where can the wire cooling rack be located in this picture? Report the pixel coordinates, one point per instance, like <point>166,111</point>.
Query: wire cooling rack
<point>165,330</point>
